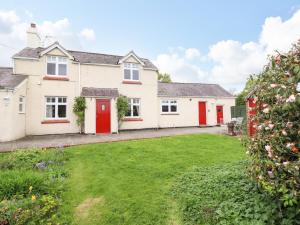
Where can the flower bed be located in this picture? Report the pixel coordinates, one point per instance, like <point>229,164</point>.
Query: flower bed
<point>31,184</point>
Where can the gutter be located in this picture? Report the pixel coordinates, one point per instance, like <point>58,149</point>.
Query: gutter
<point>170,96</point>
<point>79,78</point>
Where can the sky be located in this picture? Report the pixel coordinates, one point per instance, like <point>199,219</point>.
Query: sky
<point>194,41</point>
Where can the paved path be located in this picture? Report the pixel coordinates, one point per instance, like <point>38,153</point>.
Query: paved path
<point>52,141</point>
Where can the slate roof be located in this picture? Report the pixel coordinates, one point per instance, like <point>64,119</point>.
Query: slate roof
<point>100,92</point>
<point>8,79</point>
<point>191,90</point>
<point>84,57</point>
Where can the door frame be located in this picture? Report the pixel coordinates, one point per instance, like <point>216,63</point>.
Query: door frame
<point>205,103</point>
<point>109,102</point>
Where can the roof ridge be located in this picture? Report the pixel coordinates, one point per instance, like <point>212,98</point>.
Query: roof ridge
<point>186,83</point>
<point>98,53</point>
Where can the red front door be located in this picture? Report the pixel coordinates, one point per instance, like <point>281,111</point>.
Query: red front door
<point>102,116</point>
<point>202,113</point>
<point>219,114</point>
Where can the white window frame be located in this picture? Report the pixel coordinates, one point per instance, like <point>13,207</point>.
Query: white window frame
<point>131,107</point>
<point>169,103</point>
<point>56,104</point>
<point>131,67</point>
<point>57,61</point>
<point>23,103</point>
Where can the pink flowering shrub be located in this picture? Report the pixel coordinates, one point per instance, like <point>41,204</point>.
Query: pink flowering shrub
<point>275,148</point>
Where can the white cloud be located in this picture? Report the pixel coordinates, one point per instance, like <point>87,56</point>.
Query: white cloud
<point>232,61</point>
<point>13,34</point>
<point>278,34</point>
<point>7,20</point>
<point>192,53</point>
<point>88,34</point>
<point>177,63</point>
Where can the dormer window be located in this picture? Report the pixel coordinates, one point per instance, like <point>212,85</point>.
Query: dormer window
<point>56,66</point>
<point>131,72</point>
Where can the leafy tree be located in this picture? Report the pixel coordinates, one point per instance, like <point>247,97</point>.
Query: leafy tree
<point>122,108</point>
<point>79,110</point>
<point>164,77</point>
<point>250,84</point>
<point>275,147</point>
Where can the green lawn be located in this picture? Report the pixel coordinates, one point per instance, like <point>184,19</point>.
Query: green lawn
<point>130,182</point>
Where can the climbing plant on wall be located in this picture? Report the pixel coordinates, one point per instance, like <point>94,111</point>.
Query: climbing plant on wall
<point>122,108</point>
<point>79,110</point>
<point>274,149</point>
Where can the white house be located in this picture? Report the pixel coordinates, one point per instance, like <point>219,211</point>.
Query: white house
<point>37,94</point>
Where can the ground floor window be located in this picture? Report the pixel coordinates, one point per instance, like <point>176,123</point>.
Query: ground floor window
<point>56,107</point>
<point>133,107</point>
<point>169,106</point>
<point>21,104</point>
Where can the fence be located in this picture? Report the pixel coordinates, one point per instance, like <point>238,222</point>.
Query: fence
<point>238,111</point>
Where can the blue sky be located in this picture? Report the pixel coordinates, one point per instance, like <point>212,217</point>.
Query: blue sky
<point>157,28</point>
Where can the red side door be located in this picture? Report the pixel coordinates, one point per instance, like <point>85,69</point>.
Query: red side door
<point>219,114</point>
<point>102,116</point>
<point>202,113</point>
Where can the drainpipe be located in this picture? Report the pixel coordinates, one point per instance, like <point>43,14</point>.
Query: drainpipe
<point>79,78</point>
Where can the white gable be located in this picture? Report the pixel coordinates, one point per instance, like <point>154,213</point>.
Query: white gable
<point>131,57</point>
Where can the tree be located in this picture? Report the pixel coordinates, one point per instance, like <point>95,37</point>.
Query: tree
<point>79,110</point>
<point>250,84</point>
<point>122,108</point>
<point>275,148</point>
<point>164,77</point>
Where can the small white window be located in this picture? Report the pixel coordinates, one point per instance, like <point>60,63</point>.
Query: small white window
<point>56,107</point>
<point>131,72</point>
<point>169,106</point>
<point>21,104</point>
<point>56,66</point>
<point>133,107</point>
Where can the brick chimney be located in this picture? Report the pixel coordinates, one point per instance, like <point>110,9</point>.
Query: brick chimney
<point>33,38</point>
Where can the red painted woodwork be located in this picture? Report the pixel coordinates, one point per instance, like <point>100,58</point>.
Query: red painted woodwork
<point>202,113</point>
<point>219,114</point>
<point>102,116</point>
<point>132,119</point>
<point>131,82</point>
<point>55,78</point>
<point>54,121</point>
<point>251,113</point>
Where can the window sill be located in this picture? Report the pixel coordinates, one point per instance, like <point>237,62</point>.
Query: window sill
<point>54,121</point>
<point>131,82</point>
<point>132,119</point>
<point>170,114</point>
<point>55,78</point>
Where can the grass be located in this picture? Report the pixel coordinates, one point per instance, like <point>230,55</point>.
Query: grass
<point>130,182</point>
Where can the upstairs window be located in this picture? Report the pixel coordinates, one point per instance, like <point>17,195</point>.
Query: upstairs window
<point>21,104</point>
<point>131,72</point>
<point>56,107</point>
<point>133,107</point>
<point>169,106</point>
<point>56,66</point>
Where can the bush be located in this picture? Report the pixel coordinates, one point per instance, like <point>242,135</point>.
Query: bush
<point>274,149</point>
<point>224,196</point>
